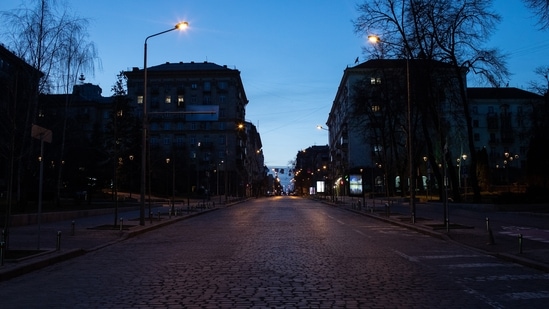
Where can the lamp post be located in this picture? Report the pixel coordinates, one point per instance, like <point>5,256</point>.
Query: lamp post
<point>375,39</point>
<point>181,25</point>
<point>173,184</point>
<point>465,174</point>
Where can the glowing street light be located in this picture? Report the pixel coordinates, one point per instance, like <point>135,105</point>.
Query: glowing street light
<point>178,26</point>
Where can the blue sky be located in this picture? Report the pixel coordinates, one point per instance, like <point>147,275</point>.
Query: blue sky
<point>291,53</point>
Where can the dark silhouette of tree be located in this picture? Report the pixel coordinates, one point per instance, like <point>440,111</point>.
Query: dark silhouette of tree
<point>54,42</point>
<point>540,8</point>
<point>447,31</point>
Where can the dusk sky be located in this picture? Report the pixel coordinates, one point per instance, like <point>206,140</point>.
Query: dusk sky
<point>291,53</point>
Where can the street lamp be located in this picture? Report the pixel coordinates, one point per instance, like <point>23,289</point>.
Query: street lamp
<point>181,25</point>
<point>321,128</point>
<point>375,39</point>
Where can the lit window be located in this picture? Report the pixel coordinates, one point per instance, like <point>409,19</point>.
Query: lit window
<point>376,108</point>
<point>168,99</point>
<point>139,99</point>
<point>180,100</point>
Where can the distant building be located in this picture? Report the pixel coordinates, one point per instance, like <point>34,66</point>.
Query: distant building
<point>313,174</point>
<point>281,179</point>
<point>502,124</point>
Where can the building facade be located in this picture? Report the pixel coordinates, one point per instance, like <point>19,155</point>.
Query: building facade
<point>197,116</point>
<point>379,101</point>
<point>502,126</point>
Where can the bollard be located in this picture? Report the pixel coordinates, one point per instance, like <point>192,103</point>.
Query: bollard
<point>121,224</point>
<point>151,217</point>
<point>387,212</point>
<point>58,247</point>
<point>72,228</point>
<point>520,243</point>
<point>2,246</point>
<point>490,234</point>
<point>158,213</point>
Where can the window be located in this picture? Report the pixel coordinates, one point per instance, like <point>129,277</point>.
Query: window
<point>139,99</point>
<point>474,110</point>
<point>180,100</point>
<point>167,126</point>
<point>194,86</point>
<point>375,80</point>
<point>221,140</point>
<point>179,141</point>
<point>476,137</point>
<point>168,99</point>
<point>207,100</point>
<point>222,99</point>
<point>154,141</point>
<point>207,86</point>
<point>222,85</point>
<point>475,123</point>
<point>166,140</point>
<point>376,108</point>
<point>180,126</point>
<point>193,125</point>
<point>193,99</point>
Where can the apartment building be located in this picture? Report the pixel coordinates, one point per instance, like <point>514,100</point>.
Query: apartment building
<point>196,113</point>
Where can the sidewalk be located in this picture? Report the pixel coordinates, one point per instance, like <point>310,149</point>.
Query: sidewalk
<point>519,237</point>
<point>32,247</point>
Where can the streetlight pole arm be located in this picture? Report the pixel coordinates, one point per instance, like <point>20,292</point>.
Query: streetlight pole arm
<point>180,25</point>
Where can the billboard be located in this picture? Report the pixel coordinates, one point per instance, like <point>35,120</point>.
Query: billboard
<point>320,186</point>
<point>355,184</point>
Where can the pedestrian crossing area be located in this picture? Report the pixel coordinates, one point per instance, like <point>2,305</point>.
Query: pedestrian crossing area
<point>527,233</point>
<point>497,283</point>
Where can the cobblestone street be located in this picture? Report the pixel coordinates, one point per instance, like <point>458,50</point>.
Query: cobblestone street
<point>281,252</point>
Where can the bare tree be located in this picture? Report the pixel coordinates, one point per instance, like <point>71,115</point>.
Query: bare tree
<point>53,41</point>
<point>451,32</point>
<point>540,8</point>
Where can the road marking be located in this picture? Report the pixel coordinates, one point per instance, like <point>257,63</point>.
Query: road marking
<point>408,257</point>
<point>454,256</point>
<point>509,278</point>
<point>480,265</point>
<point>528,295</point>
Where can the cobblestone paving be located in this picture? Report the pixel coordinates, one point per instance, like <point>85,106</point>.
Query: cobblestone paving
<point>280,253</point>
